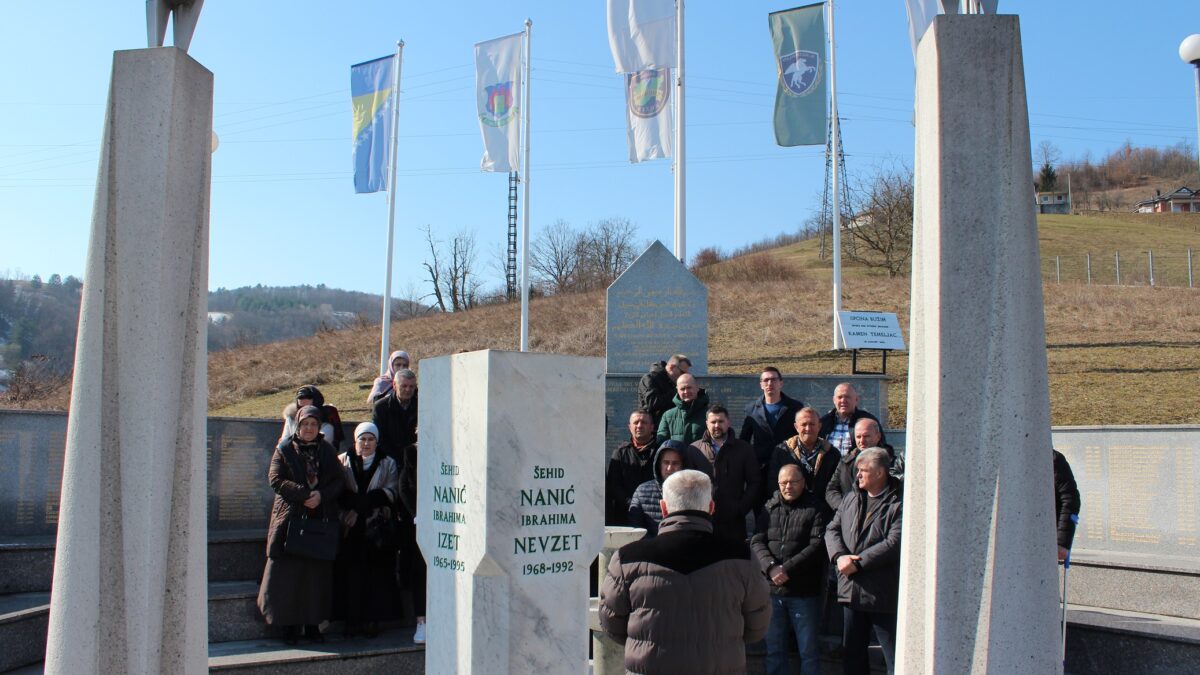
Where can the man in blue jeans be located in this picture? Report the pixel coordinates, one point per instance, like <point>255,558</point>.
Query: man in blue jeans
<point>790,548</point>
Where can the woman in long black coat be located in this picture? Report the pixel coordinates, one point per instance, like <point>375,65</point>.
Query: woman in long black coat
<point>307,479</point>
<point>365,571</point>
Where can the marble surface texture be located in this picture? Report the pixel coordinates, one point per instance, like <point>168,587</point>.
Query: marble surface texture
<point>510,508</point>
<point>129,592</point>
<point>978,584</point>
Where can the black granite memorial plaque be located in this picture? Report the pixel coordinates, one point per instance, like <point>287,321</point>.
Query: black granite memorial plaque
<point>656,308</point>
<point>33,444</point>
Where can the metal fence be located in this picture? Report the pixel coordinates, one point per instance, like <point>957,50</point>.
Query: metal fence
<point>1125,268</point>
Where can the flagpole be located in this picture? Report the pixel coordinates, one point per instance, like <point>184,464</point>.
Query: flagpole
<point>525,205</point>
<point>838,342</point>
<point>680,182</point>
<point>386,331</point>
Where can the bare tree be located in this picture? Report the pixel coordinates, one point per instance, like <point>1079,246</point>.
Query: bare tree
<point>880,233</point>
<point>434,268</point>
<point>554,256</point>
<point>452,271</point>
<point>1047,153</point>
<point>607,249</point>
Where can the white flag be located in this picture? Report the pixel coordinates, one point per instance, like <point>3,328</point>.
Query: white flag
<point>498,97</point>
<point>647,94</point>
<point>642,34</point>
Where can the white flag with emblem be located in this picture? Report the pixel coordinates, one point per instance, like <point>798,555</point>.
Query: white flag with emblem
<point>642,34</point>
<point>647,95</point>
<point>498,95</point>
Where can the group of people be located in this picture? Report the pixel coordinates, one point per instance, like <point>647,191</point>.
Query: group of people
<point>754,531</point>
<point>363,499</point>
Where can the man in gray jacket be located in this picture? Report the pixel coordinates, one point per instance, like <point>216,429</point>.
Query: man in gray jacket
<point>685,601</point>
<point>863,543</point>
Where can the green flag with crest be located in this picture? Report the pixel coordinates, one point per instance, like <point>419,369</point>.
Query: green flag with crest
<point>798,36</point>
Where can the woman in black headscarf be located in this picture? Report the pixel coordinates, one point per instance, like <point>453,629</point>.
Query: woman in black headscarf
<point>307,479</point>
<point>364,574</point>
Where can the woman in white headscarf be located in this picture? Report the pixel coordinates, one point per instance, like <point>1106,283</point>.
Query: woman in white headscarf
<point>399,360</point>
<point>364,574</point>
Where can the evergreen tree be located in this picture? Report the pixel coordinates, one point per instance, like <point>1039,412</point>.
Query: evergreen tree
<point>1048,178</point>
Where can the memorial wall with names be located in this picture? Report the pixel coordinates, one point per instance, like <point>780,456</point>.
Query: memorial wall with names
<point>32,446</point>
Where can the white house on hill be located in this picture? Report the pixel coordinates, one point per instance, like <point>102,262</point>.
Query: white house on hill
<point>1183,200</point>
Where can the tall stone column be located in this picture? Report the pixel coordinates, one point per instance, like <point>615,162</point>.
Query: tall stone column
<point>510,509</point>
<point>130,588</point>
<point>978,588</point>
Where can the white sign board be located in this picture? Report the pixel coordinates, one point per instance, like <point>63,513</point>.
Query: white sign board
<point>871,330</point>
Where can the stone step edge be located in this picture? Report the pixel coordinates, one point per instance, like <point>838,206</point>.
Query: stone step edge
<point>1137,562</point>
<point>257,653</point>
<point>37,602</point>
<point>45,542</point>
<point>1136,624</point>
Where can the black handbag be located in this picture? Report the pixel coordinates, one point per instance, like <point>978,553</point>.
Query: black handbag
<point>315,538</point>
<point>382,530</point>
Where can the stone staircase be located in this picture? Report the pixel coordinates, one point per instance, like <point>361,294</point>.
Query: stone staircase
<point>1127,614</point>
<point>1133,614</point>
<point>239,640</point>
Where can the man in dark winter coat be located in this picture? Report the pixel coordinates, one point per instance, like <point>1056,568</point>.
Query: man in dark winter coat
<point>657,387</point>
<point>685,422</point>
<point>816,458</point>
<point>737,482</point>
<point>631,465</point>
<point>769,419</point>
<point>396,415</point>
<point>1066,504</point>
<point>863,541</point>
<point>685,601</point>
<point>837,426</point>
<point>866,435</point>
<point>644,509</point>
<point>790,546</point>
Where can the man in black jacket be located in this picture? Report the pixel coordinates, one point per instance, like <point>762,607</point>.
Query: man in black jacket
<point>656,390</point>
<point>790,546</point>
<point>1066,504</point>
<point>867,434</point>
<point>631,465</point>
<point>396,415</point>
<point>863,541</point>
<point>734,470</point>
<point>837,426</point>
<point>769,420</point>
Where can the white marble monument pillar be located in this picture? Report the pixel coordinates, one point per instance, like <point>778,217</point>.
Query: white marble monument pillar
<point>130,587</point>
<point>978,588</point>
<point>510,509</point>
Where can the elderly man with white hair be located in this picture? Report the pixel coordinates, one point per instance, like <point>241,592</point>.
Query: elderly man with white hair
<point>863,542</point>
<point>685,601</point>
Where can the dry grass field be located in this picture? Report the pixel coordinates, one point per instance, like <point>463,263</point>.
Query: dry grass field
<point>1117,355</point>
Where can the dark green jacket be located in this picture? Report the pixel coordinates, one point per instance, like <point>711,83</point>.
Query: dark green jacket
<point>684,422</point>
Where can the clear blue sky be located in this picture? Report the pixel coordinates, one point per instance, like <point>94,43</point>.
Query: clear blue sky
<point>283,207</point>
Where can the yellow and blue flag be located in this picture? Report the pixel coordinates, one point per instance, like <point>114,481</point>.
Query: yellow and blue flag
<point>372,100</point>
<point>801,97</point>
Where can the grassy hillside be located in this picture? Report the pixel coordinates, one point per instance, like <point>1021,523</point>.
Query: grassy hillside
<point>1117,355</point>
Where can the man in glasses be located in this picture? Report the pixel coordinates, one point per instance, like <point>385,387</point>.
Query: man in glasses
<point>769,421</point>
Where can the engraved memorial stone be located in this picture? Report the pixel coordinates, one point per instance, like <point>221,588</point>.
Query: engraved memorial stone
<point>655,309</point>
<point>510,509</point>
